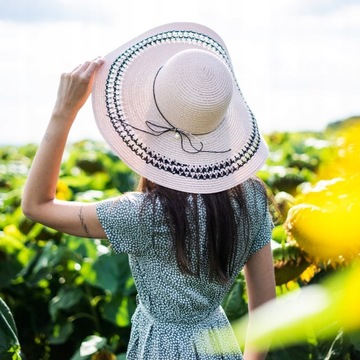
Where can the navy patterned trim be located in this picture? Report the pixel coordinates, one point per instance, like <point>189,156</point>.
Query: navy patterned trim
<point>126,133</point>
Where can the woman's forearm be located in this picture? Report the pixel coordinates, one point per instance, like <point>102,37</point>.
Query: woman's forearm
<point>42,180</point>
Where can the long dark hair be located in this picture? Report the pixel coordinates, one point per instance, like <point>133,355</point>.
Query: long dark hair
<point>222,229</point>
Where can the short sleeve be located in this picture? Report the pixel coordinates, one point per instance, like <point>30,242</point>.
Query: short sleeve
<point>263,235</point>
<point>123,224</point>
<point>260,218</point>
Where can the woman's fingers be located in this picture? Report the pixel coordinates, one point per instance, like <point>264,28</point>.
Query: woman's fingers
<point>89,67</point>
<point>93,66</point>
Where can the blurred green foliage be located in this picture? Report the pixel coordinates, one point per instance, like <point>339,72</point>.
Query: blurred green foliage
<point>62,289</point>
<point>73,298</point>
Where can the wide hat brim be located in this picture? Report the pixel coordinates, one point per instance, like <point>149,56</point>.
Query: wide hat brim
<point>123,102</point>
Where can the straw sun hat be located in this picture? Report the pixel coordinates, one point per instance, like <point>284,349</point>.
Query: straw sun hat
<point>169,106</point>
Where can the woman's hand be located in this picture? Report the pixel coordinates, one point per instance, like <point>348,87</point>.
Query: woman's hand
<point>75,88</point>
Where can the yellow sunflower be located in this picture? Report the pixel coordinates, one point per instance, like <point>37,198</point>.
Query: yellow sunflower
<point>326,222</point>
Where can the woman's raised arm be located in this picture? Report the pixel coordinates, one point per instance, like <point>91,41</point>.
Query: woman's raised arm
<point>38,202</point>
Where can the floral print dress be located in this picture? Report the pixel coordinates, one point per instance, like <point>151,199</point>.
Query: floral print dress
<point>178,316</point>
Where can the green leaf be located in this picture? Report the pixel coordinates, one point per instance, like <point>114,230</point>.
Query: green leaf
<point>338,347</point>
<point>108,272</point>
<point>65,299</point>
<point>279,234</point>
<point>77,356</point>
<point>61,333</point>
<point>8,331</point>
<point>84,248</point>
<point>296,352</point>
<point>11,354</point>
<point>89,346</point>
<point>9,268</point>
<point>119,310</point>
<point>354,337</point>
<point>49,257</point>
<point>234,303</point>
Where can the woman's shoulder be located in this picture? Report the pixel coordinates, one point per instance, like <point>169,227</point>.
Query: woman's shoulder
<point>143,202</point>
<point>132,196</point>
<point>254,186</point>
<point>122,203</point>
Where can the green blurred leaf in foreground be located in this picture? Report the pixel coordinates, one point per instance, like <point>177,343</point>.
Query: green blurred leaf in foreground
<point>317,310</point>
<point>9,343</point>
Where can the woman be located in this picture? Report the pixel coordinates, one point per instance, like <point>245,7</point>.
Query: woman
<point>168,105</point>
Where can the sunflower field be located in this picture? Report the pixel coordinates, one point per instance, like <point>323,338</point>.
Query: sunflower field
<point>63,297</point>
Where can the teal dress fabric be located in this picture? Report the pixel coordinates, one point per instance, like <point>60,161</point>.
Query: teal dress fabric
<point>178,316</point>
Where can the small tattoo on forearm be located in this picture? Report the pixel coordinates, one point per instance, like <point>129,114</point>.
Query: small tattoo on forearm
<point>83,223</point>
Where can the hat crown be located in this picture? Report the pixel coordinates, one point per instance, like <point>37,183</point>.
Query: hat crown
<point>193,90</point>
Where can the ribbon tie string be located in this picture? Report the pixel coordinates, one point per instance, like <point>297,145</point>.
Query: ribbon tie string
<point>158,130</point>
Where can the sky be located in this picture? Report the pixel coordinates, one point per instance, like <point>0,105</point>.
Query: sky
<point>297,61</point>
